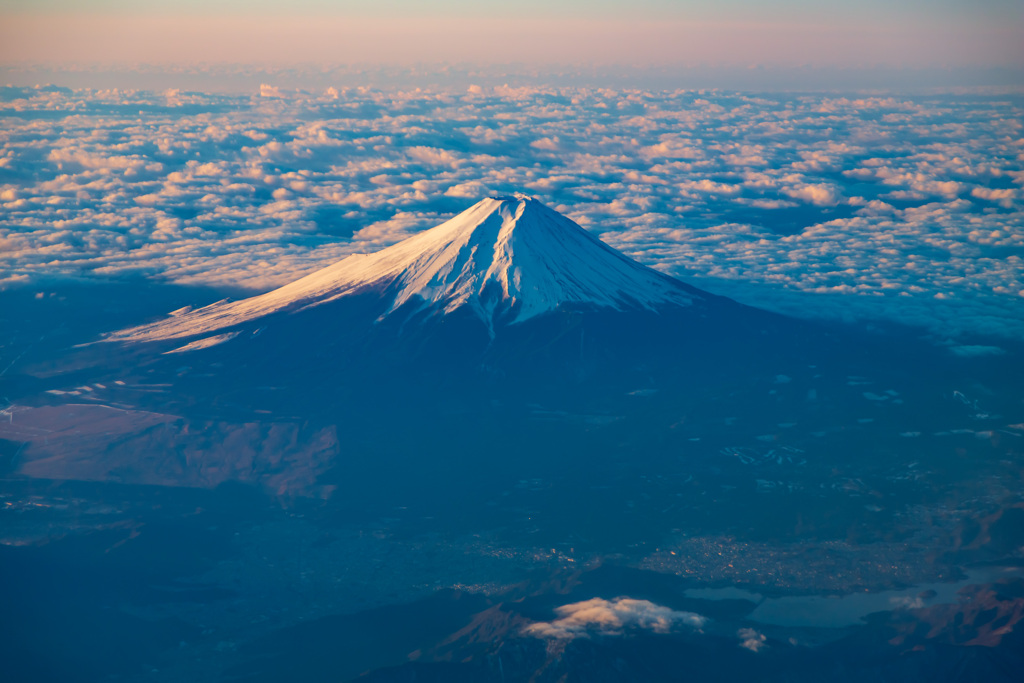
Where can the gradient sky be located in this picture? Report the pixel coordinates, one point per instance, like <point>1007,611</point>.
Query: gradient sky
<point>910,33</point>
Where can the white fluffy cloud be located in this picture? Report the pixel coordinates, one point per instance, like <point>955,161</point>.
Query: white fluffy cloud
<point>613,617</point>
<point>751,639</point>
<point>902,208</point>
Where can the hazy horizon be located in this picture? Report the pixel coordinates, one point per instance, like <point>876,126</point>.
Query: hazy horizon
<point>739,33</point>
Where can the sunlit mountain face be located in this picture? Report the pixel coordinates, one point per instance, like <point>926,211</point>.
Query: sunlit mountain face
<point>501,450</point>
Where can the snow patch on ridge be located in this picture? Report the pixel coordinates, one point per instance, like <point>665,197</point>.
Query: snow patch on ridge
<point>205,342</point>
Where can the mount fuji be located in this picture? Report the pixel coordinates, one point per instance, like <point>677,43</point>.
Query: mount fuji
<point>509,293</point>
<point>504,261</point>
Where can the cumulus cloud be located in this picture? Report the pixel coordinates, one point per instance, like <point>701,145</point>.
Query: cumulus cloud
<point>549,144</point>
<point>613,617</point>
<point>819,194</point>
<point>751,639</point>
<point>270,91</point>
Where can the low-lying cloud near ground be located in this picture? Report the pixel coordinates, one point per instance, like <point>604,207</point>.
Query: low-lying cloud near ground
<point>613,617</point>
<point>903,208</point>
<point>751,639</point>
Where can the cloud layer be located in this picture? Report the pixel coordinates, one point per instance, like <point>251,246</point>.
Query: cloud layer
<point>894,207</point>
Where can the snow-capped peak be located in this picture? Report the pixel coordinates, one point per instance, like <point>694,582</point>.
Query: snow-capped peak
<point>506,256</point>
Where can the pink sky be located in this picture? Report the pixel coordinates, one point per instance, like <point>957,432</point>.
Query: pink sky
<point>63,38</point>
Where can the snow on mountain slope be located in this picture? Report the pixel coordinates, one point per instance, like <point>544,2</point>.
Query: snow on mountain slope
<point>505,256</point>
